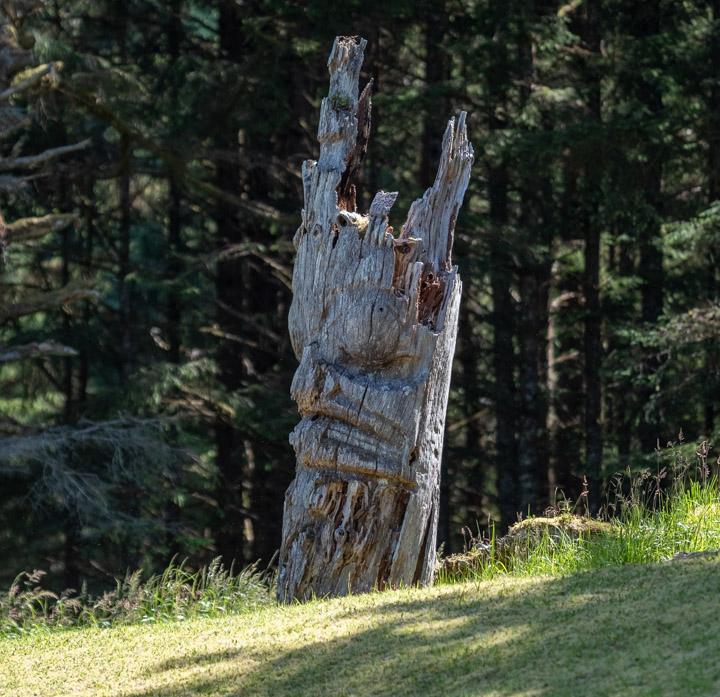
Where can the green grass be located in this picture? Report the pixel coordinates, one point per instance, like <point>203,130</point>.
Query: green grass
<point>633,630</point>
<point>569,606</point>
<point>648,519</point>
<point>176,594</point>
<point>683,521</point>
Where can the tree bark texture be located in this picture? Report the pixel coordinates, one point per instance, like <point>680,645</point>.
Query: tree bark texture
<point>373,323</point>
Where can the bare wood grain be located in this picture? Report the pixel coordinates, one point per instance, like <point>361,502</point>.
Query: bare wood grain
<point>373,323</point>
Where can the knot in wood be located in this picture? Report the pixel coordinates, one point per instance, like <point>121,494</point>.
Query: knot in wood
<point>405,245</point>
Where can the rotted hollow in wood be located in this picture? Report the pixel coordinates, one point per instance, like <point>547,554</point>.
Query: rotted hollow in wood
<point>373,323</point>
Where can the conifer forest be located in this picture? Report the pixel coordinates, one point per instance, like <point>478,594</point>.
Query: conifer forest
<point>150,188</point>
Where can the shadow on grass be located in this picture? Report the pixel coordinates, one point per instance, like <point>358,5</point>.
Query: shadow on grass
<point>640,630</point>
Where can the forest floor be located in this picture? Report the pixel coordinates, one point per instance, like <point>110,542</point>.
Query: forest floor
<point>632,630</point>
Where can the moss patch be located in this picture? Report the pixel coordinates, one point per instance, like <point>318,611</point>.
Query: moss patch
<point>521,540</point>
<point>566,523</point>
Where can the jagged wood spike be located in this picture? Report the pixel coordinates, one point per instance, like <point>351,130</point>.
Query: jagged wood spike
<point>373,323</point>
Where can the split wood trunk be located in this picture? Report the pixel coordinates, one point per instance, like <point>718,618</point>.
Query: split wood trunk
<point>373,323</point>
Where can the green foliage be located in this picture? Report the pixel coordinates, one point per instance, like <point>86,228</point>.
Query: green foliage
<point>174,595</point>
<point>119,489</point>
<point>648,518</point>
<point>593,118</point>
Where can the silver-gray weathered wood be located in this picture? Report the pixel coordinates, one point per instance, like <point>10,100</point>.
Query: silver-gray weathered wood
<point>373,323</point>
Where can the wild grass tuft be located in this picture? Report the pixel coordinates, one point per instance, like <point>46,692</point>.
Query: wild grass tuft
<point>176,594</point>
<point>647,518</point>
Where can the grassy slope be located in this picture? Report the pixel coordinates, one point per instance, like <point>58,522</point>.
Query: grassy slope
<point>633,630</point>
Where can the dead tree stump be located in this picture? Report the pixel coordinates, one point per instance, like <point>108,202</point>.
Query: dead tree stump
<point>373,323</point>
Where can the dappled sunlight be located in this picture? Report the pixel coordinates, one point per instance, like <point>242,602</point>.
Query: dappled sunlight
<point>528,637</point>
<point>708,515</point>
<point>619,629</point>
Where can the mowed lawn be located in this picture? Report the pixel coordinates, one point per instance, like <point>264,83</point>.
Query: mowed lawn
<point>632,630</point>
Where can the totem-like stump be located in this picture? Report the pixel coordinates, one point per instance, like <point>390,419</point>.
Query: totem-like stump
<point>373,323</point>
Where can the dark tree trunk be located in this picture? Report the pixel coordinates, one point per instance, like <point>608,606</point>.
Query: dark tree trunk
<point>73,541</point>
<point>125,343</point>
<point>625,402</point>
<point>712,360</point>
<point>591,281</point>
<point>248,299</point>
<point>71,554</point>
<point>536,201</point>
<point>68,363</point>
<point>471,391</point>
<point>89,211</point>
<point>646,24</point>
<point>173,268</point>
<point>171,513</point>
<point>435,77</point>
<point>543,301</point>
<point>124,358</point>
<point>503,362</point>
<point>565,380</point>
<point>174,35</point>
<point>528,392</point>
<point>532,348</point>
<point>501,276</point>
<point>714,109</point>
<point>230,529</point>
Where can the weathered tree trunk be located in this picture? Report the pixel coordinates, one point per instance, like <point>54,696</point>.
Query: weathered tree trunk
<point>373,324</point>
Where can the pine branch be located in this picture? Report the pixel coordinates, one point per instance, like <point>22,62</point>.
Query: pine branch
<point>236,251</point>
<point>34,160</point>
<point>34,228</point>
<point>35,350</point>
<point>124,449</point>
<point>22,123</point>
<point>177,166</point>
<point>37,74</point>
<point>71,293</point>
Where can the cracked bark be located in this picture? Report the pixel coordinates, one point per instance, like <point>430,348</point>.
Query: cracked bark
<point>373,324</point>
